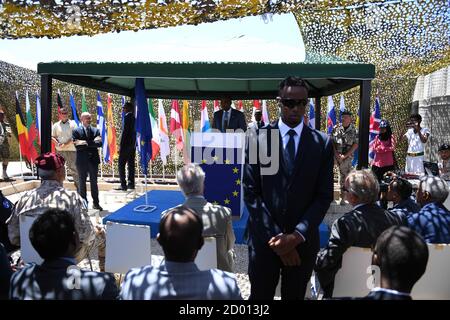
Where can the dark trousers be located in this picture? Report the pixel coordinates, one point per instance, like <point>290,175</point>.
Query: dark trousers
<point>380,171</point>
<point>127,158</point>
<point>265,268</point>
<point>83,171</point>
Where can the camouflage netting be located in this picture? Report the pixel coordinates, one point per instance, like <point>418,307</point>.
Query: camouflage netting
<point>404,39</point>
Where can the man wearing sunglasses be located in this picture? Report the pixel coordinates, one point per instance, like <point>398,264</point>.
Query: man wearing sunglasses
<point>286,208</point>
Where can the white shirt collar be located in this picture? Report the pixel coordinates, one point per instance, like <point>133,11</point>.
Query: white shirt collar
<point>359,205</point>
<point>391,291</point>
<point>284,128</point>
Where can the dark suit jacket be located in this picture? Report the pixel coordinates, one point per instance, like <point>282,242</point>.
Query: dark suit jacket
<point>281,202</point>
<point>128,137</point>
<point>358,228</point>
<point>87,153</point>
<point>5,273</point>
<point>237,120</point>
<point>50,281</point>
<point>383,295</point>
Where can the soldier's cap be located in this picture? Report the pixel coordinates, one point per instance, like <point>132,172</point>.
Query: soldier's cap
<point>346,113</point>
<point>384,124</point>
<point>444,147</point>
<point>50,161</point>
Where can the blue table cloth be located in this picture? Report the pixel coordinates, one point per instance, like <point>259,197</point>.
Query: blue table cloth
<point>165,199</point>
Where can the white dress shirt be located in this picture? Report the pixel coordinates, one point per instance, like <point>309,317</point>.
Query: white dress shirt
<point>284,129</point>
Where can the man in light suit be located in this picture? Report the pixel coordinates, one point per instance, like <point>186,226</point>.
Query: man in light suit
<point>180,235</point>
<point>286,206</point>
<point>87,140</point>
<point>228,118</point>
<point>258,123</point>
<point>54,237</point>
<point>216,219</point>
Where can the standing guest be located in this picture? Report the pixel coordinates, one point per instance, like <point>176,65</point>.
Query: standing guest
<point>286,206</point>
<point>383,146</point>
<point>417,137</point>
<point>402,256</point>
<point>258,123</point>
<point>127,151</point>
<point>54,236</point>
<point>432,222</point>
<point>52,194</point>
<point>444,162</point>
<point>228,118</point>
<point>345,142</point>
<point>216,219</point>
<point>180,236</point>
<point>62,136</point>
<point>5,135</point>
<point>359,227</point>
<point>87,140</point>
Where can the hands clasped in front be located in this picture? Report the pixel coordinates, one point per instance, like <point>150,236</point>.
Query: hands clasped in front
<point>284,245</point>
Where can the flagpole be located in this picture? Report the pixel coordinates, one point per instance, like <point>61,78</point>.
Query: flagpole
<point>112,168</point>
<point>101,164</point>
<point>164,173</point>
<point>145,190</point>
<point>20,155</point>
<point>151,171</point>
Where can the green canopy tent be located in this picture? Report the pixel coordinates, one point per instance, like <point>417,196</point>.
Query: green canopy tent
<point>197,80</point>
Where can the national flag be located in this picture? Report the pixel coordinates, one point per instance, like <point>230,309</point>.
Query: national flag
<point>204,118</point>
<point>101,125</point>
<point>341,108</point>
<point>84,107</point>
<point>163,133</point>
<point>21,130</point>
<point>112,140</point>
<point>256,105</point>
<point>265,112</point>
<point>331,115</point>
<point>143,126</point>
<point>38,117</point>
<point>216,105</point>
<point>74,110</point>
<point>240,106</point>
<point>186,131</point>
<point>59,103</point>
<point>175,124</point>
<point>31,128</point>
<point>312,116</point>
<point>156,141</point>
<point>374,128</point>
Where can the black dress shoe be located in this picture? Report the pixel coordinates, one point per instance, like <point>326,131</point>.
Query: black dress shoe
<point>97,207</point>
<point>121,188</point>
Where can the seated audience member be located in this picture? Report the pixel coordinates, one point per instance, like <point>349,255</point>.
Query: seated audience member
<point>5,273</point>
<point>402,256</point>
<point>444,162</point>
<point>216,219</point>
<point>54,236</point>
<point>52,194</point>
<point>432,222</point>
<point>359,227</point>
<point>180,235</point>
<point>6,208</point>
<point>399,192</point>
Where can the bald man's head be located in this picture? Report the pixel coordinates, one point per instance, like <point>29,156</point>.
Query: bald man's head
<point>180,234</point>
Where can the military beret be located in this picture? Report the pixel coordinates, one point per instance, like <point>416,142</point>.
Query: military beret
<point>444,147</point>
<point>346,113</point>
<point>50,161</point>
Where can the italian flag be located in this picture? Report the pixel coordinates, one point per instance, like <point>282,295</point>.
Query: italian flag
<point>156,142</point>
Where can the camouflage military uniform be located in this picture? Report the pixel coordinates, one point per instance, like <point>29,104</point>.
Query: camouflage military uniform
<point>51,194</point>
<point>343,139</point>
<point>5,133</point>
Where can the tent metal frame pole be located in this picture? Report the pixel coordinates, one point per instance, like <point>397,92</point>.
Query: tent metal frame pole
<point>46,113</point>
<point>364,121</point>
<point>317,112</point>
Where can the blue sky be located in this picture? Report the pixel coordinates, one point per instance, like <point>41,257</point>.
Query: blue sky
<point>249,39</point>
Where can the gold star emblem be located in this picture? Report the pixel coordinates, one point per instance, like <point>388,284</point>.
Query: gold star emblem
<point>142,143</point>
<point>235,193</point>
<point>215,203</point>
<point>203,161</point>
<point>235,170</point>
<point>227,201</point>
<point>227,161</point>
<point>238,181</point>
<point>215,158</point>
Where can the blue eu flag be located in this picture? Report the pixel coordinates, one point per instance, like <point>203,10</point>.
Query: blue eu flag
<point>143,126</point>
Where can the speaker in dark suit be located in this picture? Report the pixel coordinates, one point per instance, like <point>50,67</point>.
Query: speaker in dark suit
<point>228,118</point>
<point>127,151</point>
<point>87,140</point>
<point>286,198</point>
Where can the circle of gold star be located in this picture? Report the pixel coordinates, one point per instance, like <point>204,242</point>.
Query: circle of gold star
<point>227,161</point>
<point>235,193</point>
<point>227,201</point>
<point>235,170</point>
<point>238,181</point>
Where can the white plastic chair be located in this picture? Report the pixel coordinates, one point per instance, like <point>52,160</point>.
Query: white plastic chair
<point>127,246</point>
<point>354,278</point>
<point>435,283</point>
<point>207,256</point>
<point>27,252</point>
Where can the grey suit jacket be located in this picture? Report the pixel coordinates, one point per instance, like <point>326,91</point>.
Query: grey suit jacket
<point>216,223</point>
